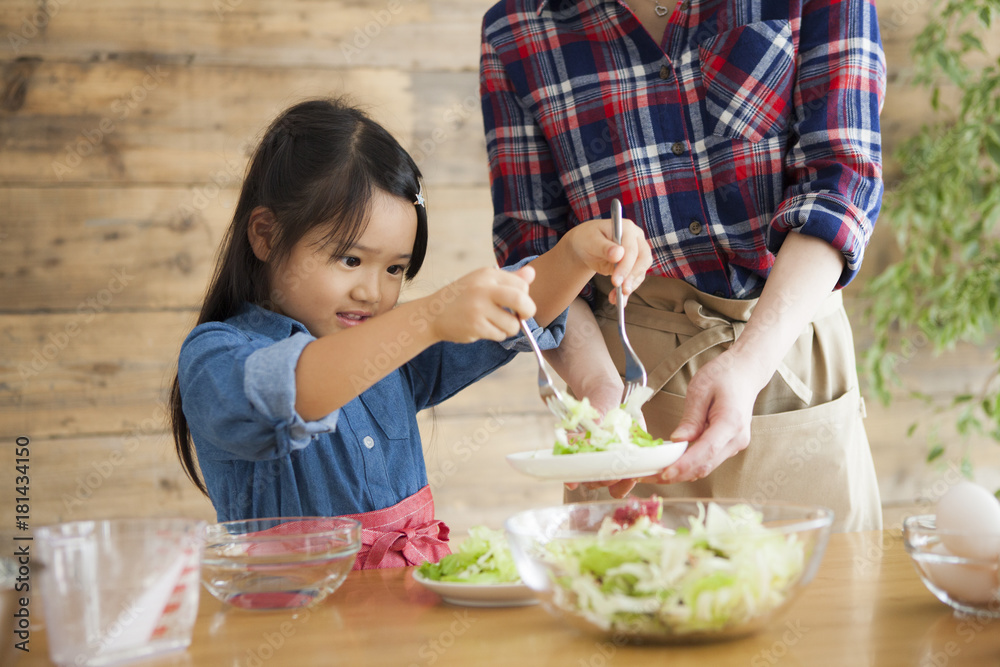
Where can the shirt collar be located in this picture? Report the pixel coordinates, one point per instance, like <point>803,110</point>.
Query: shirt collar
<point>266,322</point>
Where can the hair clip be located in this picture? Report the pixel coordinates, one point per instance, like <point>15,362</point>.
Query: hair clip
<point>420,194</point>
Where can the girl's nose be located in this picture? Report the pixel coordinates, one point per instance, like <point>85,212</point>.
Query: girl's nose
<point>367,290</point>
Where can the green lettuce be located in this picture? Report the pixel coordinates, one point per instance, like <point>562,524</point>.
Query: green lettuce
<point>724,570</point>
<point>580,431</point>
<point>483,558</point>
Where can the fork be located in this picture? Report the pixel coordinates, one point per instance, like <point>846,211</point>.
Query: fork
<point>551,396</point>
<point>635,372</point>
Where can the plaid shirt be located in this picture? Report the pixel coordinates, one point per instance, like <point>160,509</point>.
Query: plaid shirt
<point>751,119</point>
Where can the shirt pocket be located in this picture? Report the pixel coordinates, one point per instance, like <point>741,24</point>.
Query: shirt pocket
<point>748,74</point>
<point>384,402</point>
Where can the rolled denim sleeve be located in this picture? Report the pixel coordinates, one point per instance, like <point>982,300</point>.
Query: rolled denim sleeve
<point>548,337</point>
<point>238,394</point>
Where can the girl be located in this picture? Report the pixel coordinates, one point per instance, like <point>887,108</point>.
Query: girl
<point>299,387</point>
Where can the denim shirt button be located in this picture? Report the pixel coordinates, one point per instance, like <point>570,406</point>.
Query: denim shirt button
<point>369,441</point>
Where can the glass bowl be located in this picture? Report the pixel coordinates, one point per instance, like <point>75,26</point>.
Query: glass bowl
<point>671,586</point>
<point>279,563</point>
<point>967,585</point>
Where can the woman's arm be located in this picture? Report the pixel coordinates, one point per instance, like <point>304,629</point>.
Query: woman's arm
<point>721,394</point>
<point>582,360</point>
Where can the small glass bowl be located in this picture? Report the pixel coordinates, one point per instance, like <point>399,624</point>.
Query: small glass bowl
<point>568,594</point>
<point>279,563</point>
<point>967,585</point>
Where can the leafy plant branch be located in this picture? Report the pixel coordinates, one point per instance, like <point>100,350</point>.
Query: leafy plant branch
<point>945,213</point>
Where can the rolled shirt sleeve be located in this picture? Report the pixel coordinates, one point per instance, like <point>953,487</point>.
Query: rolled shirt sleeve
<point>239,394</point>
<point>834,164</point>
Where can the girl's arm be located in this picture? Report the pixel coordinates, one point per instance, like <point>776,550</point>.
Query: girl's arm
<point>586,249</point>
<point>335,369</point>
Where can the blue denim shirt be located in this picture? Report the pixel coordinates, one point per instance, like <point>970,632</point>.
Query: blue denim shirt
<point>259,458</point>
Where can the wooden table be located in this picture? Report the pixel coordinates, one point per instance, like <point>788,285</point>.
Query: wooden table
<point>866,606</point>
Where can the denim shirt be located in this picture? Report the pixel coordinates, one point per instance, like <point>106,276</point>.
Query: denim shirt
<point>257,455</point>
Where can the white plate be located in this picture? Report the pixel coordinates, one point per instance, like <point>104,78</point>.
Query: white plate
<point>479,595</point>
<point>621,463</point>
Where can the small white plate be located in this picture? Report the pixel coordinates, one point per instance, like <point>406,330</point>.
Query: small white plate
<point>623,463</point>
<point>479,595</point>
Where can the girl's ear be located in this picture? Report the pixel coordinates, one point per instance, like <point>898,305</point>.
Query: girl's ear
<point>261,231</point>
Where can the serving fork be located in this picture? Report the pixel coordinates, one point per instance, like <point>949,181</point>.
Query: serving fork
<point>551,396</point>
<point>635,372</point>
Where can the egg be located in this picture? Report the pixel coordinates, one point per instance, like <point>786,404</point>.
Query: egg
<point>972,584</point>
<point>969,517</point>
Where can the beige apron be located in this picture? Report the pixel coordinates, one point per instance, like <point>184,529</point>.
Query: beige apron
<point>807,442</point>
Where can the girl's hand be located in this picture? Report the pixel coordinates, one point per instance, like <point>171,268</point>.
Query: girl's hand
<point>480,305</point>
<point>627,263</point>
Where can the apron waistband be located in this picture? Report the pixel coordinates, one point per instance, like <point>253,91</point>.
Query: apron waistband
<point>674,306</point>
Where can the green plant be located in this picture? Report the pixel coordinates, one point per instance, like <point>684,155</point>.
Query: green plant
<point>945,212</point>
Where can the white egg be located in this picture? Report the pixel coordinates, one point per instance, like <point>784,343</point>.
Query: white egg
<point>974,512</point>
<point>972,584</point>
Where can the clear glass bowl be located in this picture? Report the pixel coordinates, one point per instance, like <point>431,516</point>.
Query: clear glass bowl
<point>679,603</point>
<point>279,563</point>
<point>967,585</point>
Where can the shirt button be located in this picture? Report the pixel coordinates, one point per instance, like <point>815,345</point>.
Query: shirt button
<point>666,73</point>
<point>369,441</point>
<point>678,148</point>
<point>695,227</point>
<point>684,5</point>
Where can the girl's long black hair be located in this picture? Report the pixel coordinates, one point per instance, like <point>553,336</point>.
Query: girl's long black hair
<point>319,163</point>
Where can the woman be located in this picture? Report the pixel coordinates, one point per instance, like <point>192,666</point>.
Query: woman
<point>743,137</point>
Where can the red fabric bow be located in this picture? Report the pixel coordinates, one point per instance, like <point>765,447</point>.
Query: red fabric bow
<point>402,535</point>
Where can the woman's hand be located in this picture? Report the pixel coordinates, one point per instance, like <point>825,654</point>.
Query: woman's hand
<point>627,263</point>
<point>480,305</point>
<point>716,419</point>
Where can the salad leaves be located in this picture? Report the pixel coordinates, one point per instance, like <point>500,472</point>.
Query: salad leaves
<point>583,430</point>
<point>644,578</point>
<point>483,558</point>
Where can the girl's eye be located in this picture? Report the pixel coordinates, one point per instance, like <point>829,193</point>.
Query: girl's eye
<point>351,262</point>
<point>396,270</point>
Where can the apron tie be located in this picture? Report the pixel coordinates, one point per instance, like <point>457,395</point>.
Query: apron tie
<point>402,535</point>
<point>414,544</point>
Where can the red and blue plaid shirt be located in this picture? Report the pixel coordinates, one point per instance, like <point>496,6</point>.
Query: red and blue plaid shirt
<point>749,120</point>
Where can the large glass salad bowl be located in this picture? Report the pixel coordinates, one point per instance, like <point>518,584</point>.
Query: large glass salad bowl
<point>678,570</point>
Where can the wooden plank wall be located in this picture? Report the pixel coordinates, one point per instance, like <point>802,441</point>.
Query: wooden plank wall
<point>124,130</point>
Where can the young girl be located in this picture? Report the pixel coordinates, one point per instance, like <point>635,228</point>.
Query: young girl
<point>298,389</point>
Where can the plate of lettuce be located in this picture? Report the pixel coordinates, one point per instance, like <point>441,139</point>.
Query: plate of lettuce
<point>588,448</point>
<point>481,573</point>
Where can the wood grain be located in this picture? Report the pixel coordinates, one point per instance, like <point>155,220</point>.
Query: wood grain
<point>866,606</point>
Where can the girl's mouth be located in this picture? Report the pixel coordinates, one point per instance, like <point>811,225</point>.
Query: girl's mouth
<point>352,319</point>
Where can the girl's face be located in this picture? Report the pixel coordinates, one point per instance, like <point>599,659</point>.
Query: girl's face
<point>329,293</point>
